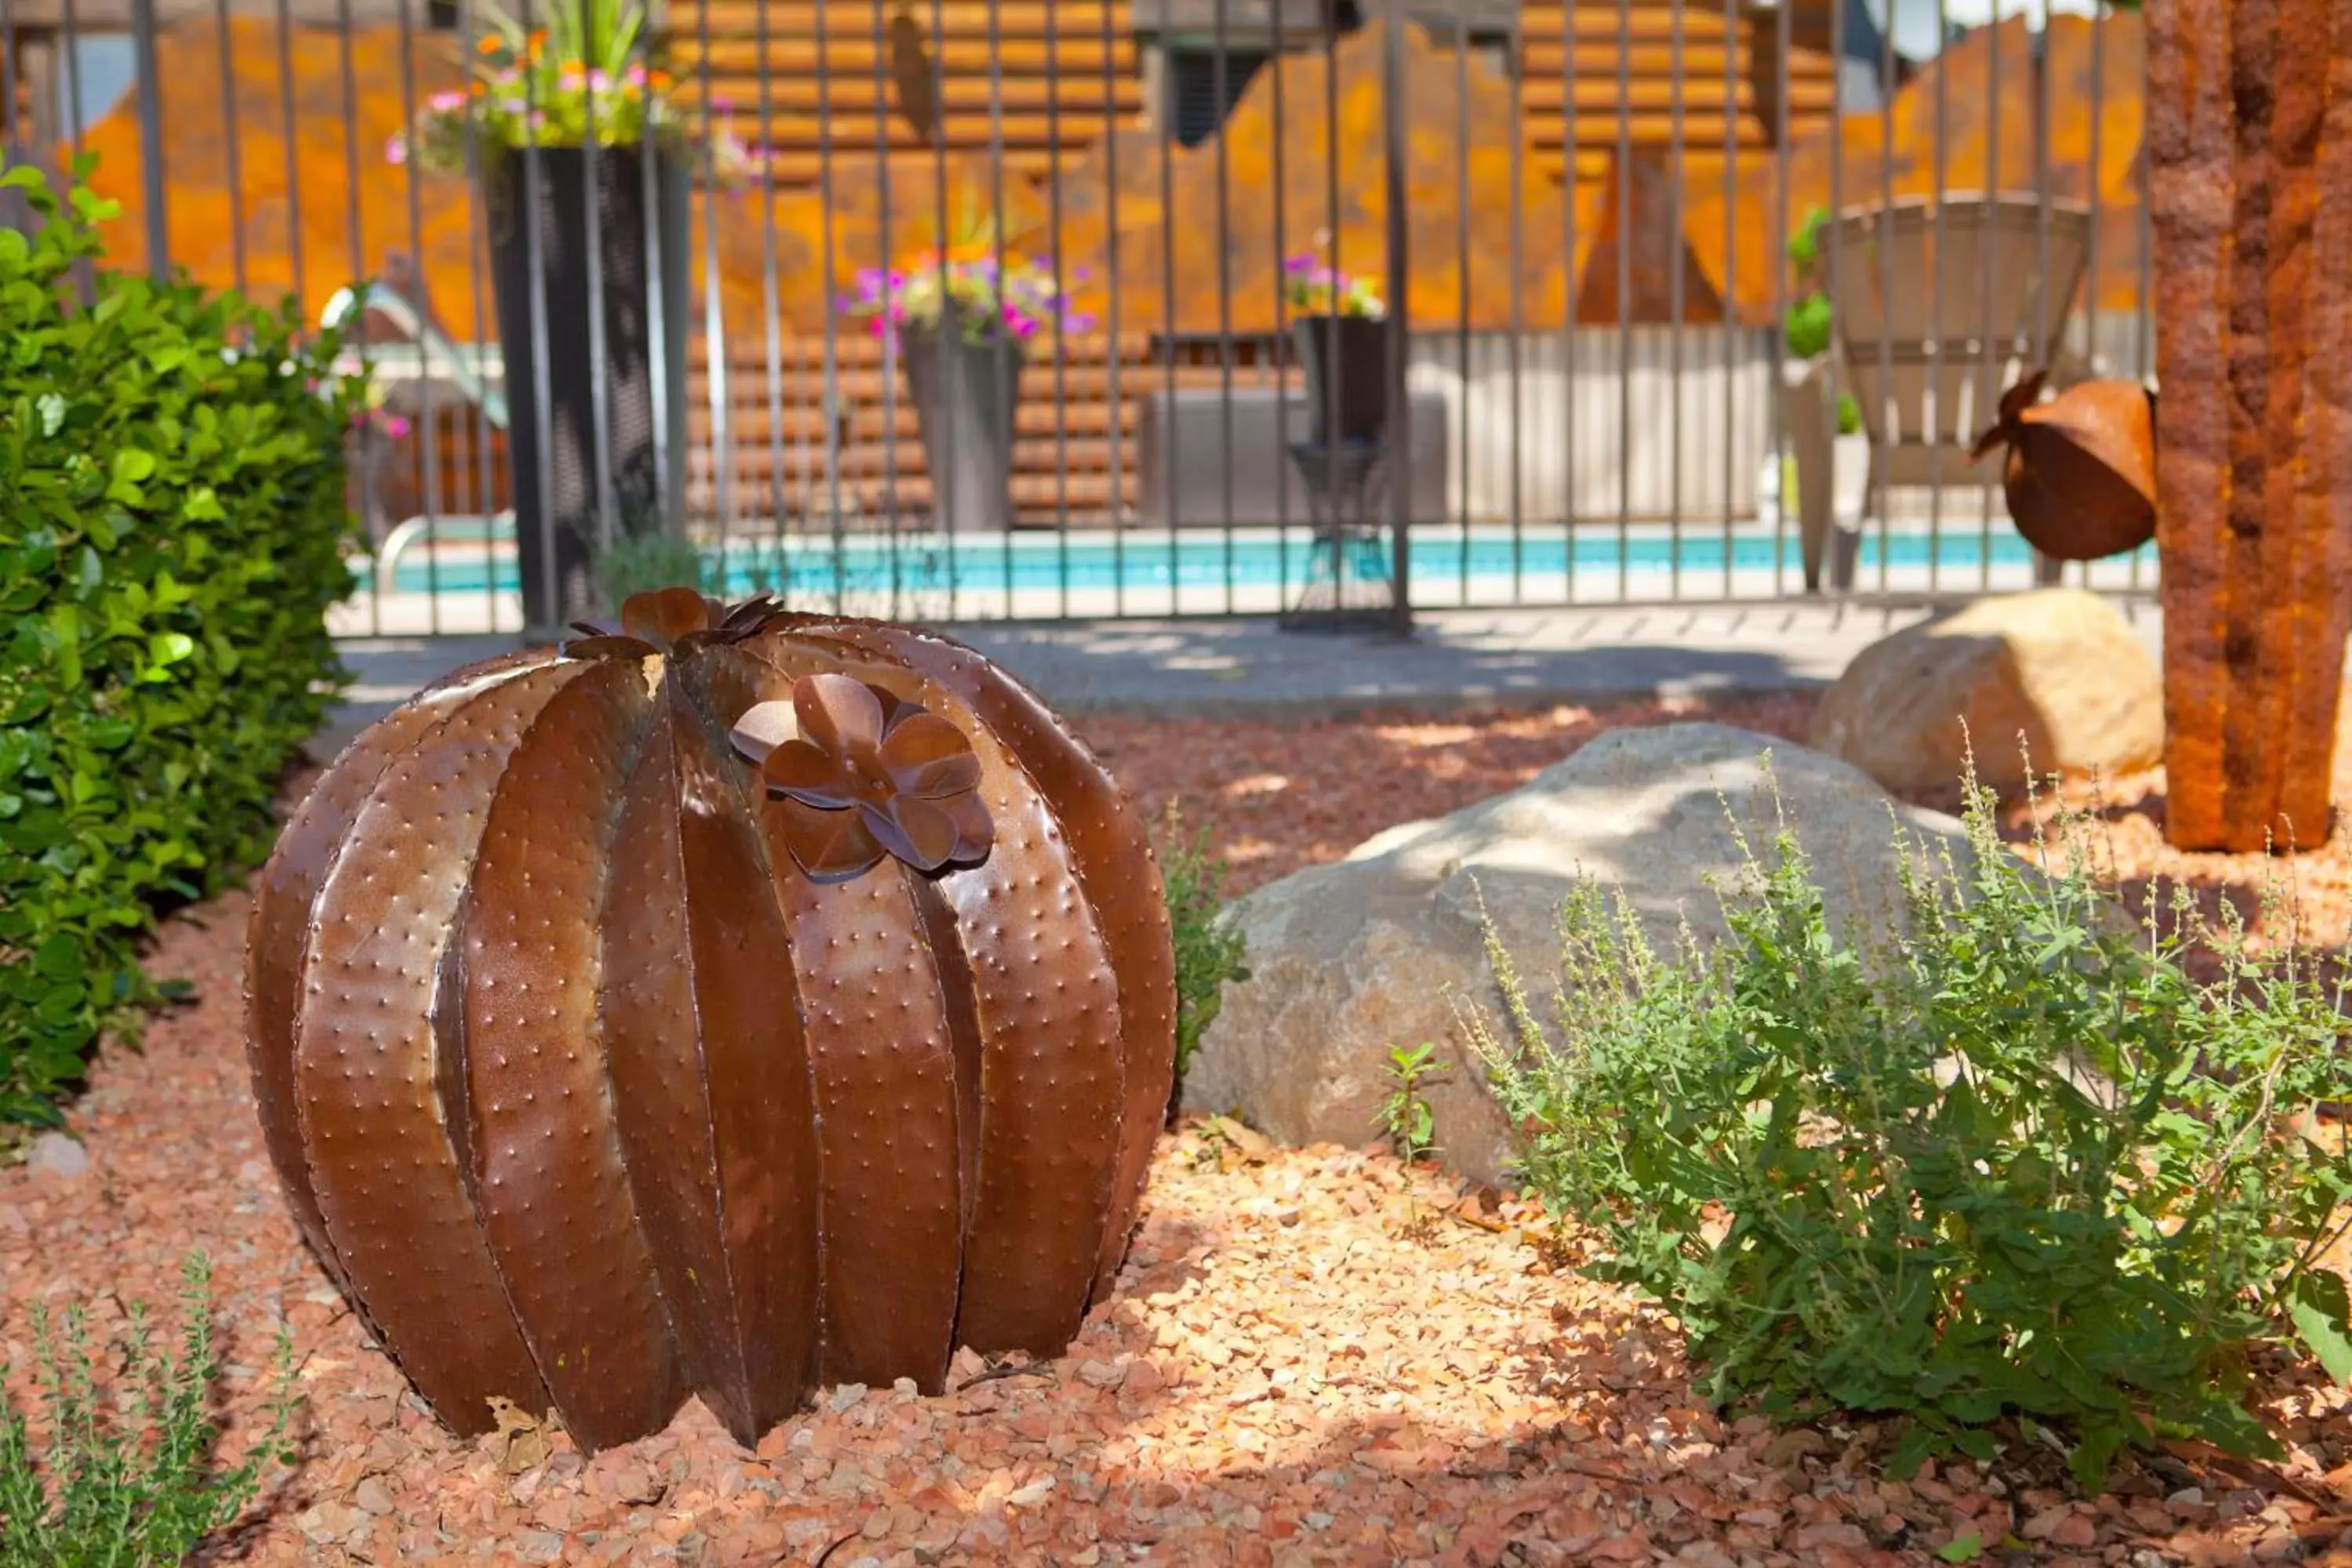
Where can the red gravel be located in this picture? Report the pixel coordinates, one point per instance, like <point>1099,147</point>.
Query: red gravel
<point>1314,1356</point>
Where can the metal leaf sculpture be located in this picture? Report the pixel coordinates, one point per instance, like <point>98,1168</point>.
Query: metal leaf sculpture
<point>2080,472</point>
<point>728,1003</point>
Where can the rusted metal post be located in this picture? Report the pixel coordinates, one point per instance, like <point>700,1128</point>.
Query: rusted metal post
<point>2249,122</point>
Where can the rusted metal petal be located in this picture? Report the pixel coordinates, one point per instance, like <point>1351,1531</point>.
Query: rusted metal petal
<point>609,648</point>
<point>876,1011</point>
<point>915,831</point>
<point>762,728</point>
<point>928,758</point>
<point>664,615</point>
<point>1111,852</point>
<point>838,715</point>
<point>396,1197</point>
<point>283,896</point>
<point>830,845</point>
<point>975,829</point>
<point>757,1088</point>
<point>2080,475</point>
<point>549,1182</point>
<point>810,776</point>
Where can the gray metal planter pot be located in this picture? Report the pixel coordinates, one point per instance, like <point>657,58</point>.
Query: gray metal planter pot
<point>646,491</point>
<point>965,394</point>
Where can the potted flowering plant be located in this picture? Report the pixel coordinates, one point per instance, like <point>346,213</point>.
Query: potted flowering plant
<point>1338,326</point>
<point>539,99</point>
<point>963,322</point>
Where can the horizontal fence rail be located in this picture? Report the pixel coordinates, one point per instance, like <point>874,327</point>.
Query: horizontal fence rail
<point>1333,309</point>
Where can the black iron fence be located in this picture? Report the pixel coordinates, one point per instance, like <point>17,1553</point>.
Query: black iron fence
<point>965,309</point>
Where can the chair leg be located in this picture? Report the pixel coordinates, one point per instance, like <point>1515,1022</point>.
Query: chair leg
<point>1804,416</point>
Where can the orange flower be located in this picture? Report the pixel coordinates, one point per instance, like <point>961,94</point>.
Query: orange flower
<point>660,80</point>
<point>489,43</point>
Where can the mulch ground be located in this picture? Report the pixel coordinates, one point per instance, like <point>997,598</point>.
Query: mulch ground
<point>1315,1356</point>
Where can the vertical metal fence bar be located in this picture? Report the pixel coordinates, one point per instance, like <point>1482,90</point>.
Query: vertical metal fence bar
<point>887,334</point>
<point>427,421</point>
<point>1400,334</point>
<point>1909,417</point>
<point>1834,539</point>
<point>8,102</point>
<point>485,494</point>
<point>1061,311</point>
<point>1572,280</point>
<point>2038,52</point>
<point>1114,342</point>
<point>832,412</point>
<point>229,148</point>
<point>358,270</point>
<point>1675,302</point>
<point>942,486</point>
<point>996,197</point>
<point>1280,348</point>
<point>592,204</point>
<point>1945,419</point>
<point>715,351</point>
<point>1335,389</point>
<point>70,57</point>
<point>1221,83</point>
<point>1621,177</point>
<point>151,138</point>
<point>293,165</point>
<point>1993,355</point>
<point>534,189</point>
<point>1730,312</point>
<point>1171,461</point>
<point>1515,67</point>
<point>771,297</point>
<point>1464,263</point>
<point>669,509</point>
<point>1776,256</point>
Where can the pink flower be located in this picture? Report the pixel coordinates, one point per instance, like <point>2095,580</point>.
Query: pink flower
<point>446,102</point>
<point>396,149</point>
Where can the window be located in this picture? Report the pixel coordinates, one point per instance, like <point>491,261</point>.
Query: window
<point>1197,111</point>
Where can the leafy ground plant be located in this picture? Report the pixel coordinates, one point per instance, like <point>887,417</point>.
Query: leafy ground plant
<point>2011,1161</point>
<point>1405,1115</point>
<point>128,1478</point>
<point>1209,948</point>
<point>647,563</point>
<point>172,524</point>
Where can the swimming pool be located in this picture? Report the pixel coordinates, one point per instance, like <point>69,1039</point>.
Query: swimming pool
<point>1490,558</point>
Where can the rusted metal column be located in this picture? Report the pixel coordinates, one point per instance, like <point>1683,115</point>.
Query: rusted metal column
<point>2249,122</point>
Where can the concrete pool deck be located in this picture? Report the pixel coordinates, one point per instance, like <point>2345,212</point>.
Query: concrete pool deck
<point>1458,659</point>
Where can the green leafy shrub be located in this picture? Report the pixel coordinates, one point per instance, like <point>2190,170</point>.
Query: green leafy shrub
<point>128,1478</point>
<point>1807,326</point>
<point>172,526</point>
<point>648,562</point>
<point>2011,1161</point>
<point>1209,948</point>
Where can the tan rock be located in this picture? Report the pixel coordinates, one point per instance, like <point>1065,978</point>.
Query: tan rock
<point>2059,670</point>
<point>1382,949</point>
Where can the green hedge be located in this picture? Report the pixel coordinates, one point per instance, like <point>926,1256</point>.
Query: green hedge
<point>173,524</point>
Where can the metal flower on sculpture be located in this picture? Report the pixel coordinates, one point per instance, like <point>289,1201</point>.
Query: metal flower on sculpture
<point>667,620</point>
<point>863,774</point>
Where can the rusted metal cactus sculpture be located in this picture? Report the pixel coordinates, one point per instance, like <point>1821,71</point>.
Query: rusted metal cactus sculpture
<point>2249,154</point>
<point>2080,472</point>
<point>730,1003</point>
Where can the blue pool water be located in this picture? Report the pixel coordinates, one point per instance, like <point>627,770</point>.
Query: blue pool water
<point>866,564</point>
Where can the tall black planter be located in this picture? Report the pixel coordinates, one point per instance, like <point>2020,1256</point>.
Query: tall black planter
<point>964,396</point>
<point>1346,361</point>
<point>644,494</point>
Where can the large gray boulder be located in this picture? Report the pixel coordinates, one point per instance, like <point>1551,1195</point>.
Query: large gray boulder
<point>1349,960</point>
<point>2058,676</point>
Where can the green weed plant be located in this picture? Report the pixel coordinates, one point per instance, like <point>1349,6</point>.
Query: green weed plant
<point>2011,1160</point>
